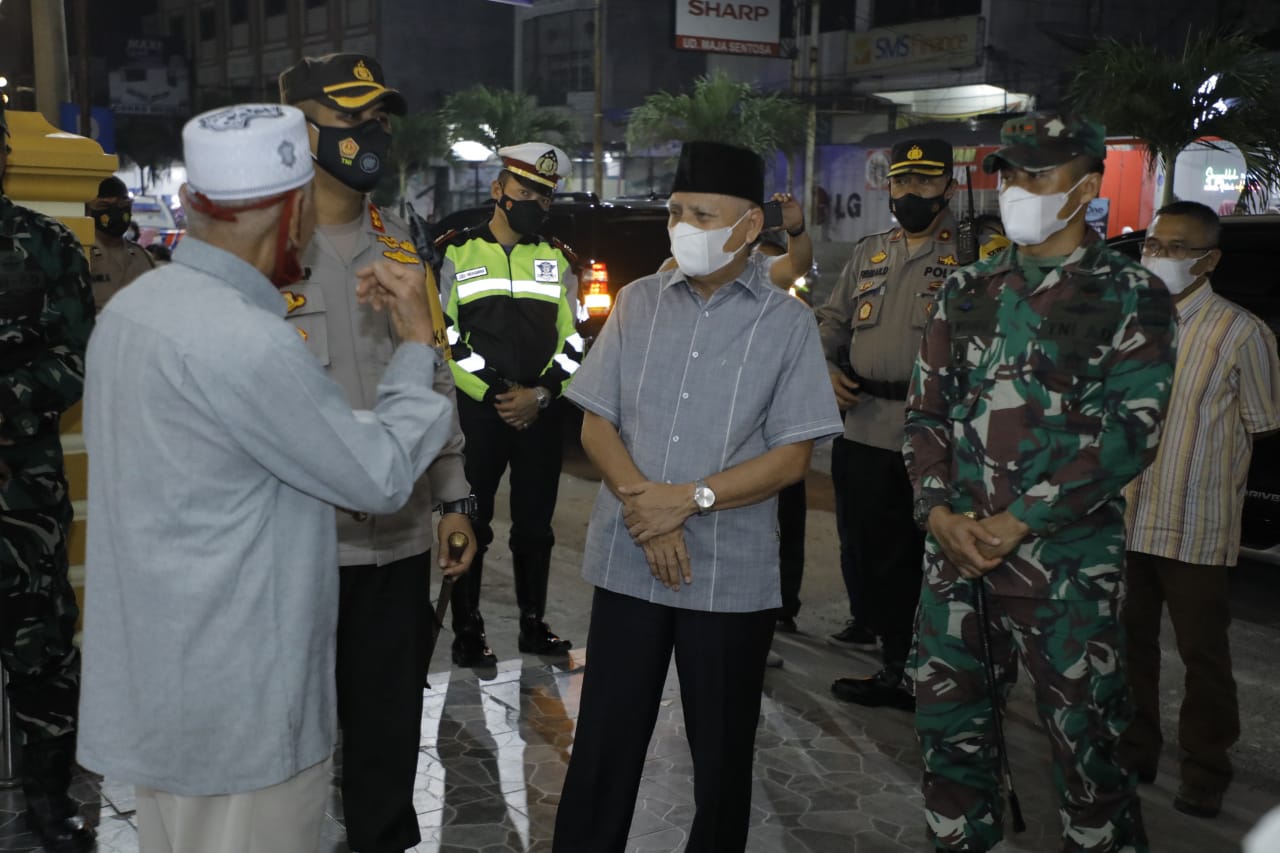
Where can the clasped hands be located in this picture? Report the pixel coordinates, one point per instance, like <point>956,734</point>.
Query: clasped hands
<point>976,547</point>
<point>655,514</point>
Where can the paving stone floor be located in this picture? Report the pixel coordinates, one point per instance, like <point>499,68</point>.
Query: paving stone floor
<point>829,777</point>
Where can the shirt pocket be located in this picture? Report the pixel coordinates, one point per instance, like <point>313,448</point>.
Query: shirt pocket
<point>21,287</point>
<point>866,307</point>
<point>308,315</point>
<point>925,307</point>
<point>1073,344</point>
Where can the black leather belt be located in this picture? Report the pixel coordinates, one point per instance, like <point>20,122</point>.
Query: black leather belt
<point>883,390</point>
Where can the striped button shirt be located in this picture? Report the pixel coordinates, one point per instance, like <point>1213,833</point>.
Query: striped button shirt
<point>1226,389</point>
<point>695,387</point>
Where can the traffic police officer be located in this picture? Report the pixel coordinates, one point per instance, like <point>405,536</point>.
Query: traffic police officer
<point>510,301</point>
<point>46,315</point>
<point>871,328</point>
<point>385,613</point>
<point>113,260</point>
<point>1038,393</point>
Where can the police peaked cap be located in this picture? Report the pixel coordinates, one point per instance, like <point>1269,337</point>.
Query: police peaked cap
<point>929,157</point>
<point>713,167</point>
<point>347,82</point>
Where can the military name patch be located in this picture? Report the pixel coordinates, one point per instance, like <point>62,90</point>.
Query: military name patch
<point>873,272</point>
<point>467,275</point>
<point>546,271</point>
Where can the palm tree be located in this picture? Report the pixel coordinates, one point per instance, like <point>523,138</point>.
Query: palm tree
<point>720,110</point>
<point>417,140</point>
<point>501,117</point>
<point>1221,87</point>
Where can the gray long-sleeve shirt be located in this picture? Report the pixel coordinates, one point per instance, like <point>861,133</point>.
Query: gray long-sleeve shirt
<point>218,449</point>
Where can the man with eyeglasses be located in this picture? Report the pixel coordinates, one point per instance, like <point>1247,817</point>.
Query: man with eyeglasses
<point>384,605</point>
<point>1039,392</point>
<point>871,328</point>
<point>1183,513</point>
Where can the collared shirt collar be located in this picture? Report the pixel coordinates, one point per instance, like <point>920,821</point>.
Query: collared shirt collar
<point>1187,308</point>
<point>229,268</point>
<point>754,279</point>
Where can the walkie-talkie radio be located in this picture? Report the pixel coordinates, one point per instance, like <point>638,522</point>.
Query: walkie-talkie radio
<point>967,229</point>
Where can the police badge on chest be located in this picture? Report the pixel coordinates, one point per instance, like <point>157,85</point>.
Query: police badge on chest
<point>546,271</point>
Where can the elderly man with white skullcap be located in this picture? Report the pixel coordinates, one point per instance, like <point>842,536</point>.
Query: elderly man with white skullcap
<point>218,448</point>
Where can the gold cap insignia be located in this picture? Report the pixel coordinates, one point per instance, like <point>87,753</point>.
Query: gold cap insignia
<point>915,153</point>
<point>361,72</point>
<point>547,163</point>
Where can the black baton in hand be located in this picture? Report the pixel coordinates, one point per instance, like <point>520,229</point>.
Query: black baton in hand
<point>457,545</point>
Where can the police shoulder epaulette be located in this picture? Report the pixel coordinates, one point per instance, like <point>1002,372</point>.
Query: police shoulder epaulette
<point>569,253</point>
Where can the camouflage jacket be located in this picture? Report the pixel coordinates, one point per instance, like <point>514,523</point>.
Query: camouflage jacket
<point>1043,401</point>
<point>46,315</point>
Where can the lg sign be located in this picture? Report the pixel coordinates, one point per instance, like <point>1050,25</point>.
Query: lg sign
<point>719,26</point>
<point>733,11</point>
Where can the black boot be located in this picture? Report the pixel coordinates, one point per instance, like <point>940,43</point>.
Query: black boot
<point>537,638</point>
<point>470,646</point>
<point>51,814</point>
<point>887,688</point>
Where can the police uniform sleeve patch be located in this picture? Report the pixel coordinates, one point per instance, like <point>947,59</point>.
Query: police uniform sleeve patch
<point>467,275</point>
<point>546,271</point>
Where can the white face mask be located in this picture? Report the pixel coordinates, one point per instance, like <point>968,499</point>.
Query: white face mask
<point>1030,219</point>
<point>1176,274</point>
<point>698,252</point>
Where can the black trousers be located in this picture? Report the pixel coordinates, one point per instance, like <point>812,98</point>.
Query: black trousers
<point>792,509</point>
<point>720,660</point>
<point>384,628</point>
<point>534,457</point>
<point>884,543</point>
<point>850,571</point>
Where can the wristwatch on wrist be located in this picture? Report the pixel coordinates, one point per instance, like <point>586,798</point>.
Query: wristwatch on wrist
<point>798,231</point>
<point>924,506</point>
<point>543,395</point>
<point>464,506</point>
<point>703,497</point>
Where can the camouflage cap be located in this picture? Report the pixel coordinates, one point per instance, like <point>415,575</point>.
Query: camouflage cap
<point>1041,141</point>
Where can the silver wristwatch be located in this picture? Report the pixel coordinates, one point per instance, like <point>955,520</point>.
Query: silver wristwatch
<point>543,395</point>
<point>703,497</point>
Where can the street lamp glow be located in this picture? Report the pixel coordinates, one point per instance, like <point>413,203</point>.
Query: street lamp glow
<point>4,81</point>
<point>470,151</point>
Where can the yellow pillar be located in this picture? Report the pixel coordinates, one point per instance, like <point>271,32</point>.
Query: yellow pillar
<point>55,173</point>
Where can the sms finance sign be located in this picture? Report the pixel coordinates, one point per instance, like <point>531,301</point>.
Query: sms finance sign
<point>722,26</point>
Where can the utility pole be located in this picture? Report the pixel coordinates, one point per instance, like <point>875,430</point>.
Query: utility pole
<point>49,49</point>
<point>797,17</point>
<point>597,119</point>
<point>811,131</point>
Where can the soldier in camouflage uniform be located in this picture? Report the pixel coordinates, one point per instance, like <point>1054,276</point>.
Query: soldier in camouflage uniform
<point>46,314</point>
<point>1039,392</point>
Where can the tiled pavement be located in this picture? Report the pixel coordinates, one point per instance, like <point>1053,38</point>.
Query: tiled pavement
<point>829,777</point>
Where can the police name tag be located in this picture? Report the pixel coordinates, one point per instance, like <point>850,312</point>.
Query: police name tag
<point>546,271</point>
<point>467,275</point>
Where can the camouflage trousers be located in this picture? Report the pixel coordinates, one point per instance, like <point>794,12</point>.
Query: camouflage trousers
<point>38,621</point>
<point>1072,650</point>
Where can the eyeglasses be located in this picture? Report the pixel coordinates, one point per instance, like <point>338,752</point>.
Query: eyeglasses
<point>1152,247</point>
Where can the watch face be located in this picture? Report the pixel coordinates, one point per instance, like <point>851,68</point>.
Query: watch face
<point>704,497</point>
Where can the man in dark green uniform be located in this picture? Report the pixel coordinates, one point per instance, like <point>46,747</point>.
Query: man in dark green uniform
<point>1039,392</point>
<point>46,314</point>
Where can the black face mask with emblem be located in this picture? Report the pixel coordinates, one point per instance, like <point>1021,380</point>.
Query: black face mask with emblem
<point>525,217</point>
<point>353,155</point>
<point>914,212</point>
<point>112,221</point>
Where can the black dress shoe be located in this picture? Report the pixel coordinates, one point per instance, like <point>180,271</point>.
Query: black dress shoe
<point>1146,775</point>
<point>856,636</point>
<point>787,624</point>
<point>472,650</point>
<point>67,834</point>
<point>884,689</point>
<point>537,638</point>
<point>1198,802</point>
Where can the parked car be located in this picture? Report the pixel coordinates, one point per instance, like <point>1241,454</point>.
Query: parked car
<point>156,221</point>
<point>1245,276</point>
<point>616,243</point>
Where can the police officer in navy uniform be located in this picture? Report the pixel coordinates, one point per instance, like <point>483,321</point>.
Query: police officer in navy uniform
<point>385,613</point>
<point>871,329</point>
<point>511,298</point>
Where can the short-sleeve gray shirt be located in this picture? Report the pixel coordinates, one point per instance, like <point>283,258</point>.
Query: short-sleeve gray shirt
<point>694,388</point>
